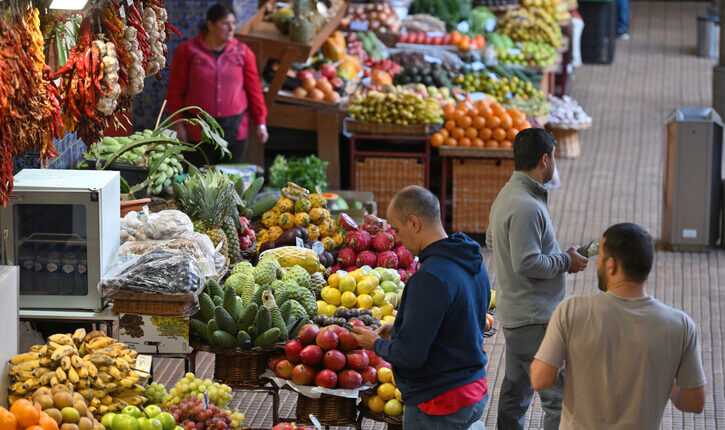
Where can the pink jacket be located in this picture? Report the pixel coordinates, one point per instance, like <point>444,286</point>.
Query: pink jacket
<point>223,86</point>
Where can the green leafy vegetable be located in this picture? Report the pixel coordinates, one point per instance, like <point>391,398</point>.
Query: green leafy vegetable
<point>308,172</point>
<point>278,172</point>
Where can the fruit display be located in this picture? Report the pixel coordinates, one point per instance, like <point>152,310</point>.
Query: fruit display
<point>303,20</point>
<point>378,17</point>
<point>327,357</point>
<point>442,94</point>
<point>393,108</point>
<point>360,317</point>
<point>556,8</point>
<point>191,387</point>
<point>371,44</point>
<point>387,399</point>
<point>460,41</point>
<point>430,74</point>
<point>318,89</point>
<point>354,47</point>
<point>450,62</point>
<point>388,66</point>
<point>246,234</point>
<point>192,414</point>
<point>501,88</point>
<point>532,107</point>
<point>365,291</point>
<point>155,394</point>
<point>480,124</point>
<point>526,54</point>
<point>54,409</point>
<point>533,25</point>
<point>97,367</point>
<point>423,22</point>
<point>298,213</point>
<point>566,111</point>
<point>152,418</point>
<point>291,426</point>
<point>451,12</point>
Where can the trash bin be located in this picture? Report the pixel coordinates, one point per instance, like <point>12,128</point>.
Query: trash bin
<point>692,179</point>
<point>708,35</point>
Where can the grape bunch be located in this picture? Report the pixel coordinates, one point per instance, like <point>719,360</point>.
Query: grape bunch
<point>156,394</point>
<point>192,387</point>
<point>191,415</point>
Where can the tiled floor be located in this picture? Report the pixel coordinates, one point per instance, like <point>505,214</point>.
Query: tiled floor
<point>618,178</point>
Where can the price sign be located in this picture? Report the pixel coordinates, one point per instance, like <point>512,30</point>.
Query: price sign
<point>300,243</point>
<point>358,26</point>
<point>315,422</point>
<point>514,51</point>
<point>493,77</point>
<point>143,363</point>
<point>205,400</point>
<point>122,13</point>
<point>318,247</point>
<point>490,24</point>
<point>463,26</point>
<point>429,59</point>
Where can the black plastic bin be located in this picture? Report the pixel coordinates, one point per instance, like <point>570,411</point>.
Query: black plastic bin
<point>133,175</point>
<point>600,31</point>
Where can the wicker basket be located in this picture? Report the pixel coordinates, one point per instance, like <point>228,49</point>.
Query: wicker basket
<point>362,127</point>
<point>240,368</point>
<point>394,423</point>
<point>127,302</point>
<point>476,184</point>
<point>329,410</point>
<point>386,176</point>
<point>567,138</point>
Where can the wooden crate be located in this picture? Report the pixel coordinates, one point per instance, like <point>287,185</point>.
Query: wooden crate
<point>476,183</point>
<point>386,176</point>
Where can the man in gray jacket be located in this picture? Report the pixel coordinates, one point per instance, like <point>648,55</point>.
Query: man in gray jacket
<point>531,275</point>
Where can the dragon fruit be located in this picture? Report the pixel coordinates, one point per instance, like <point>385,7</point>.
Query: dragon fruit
<point>402,274</point>
<point>388,259</point>
<point>404,257</point>
<point>373,224</point>
<point>347,223</point>
<point>410,271</point>
<point>370,228</point>
<point>383,241</point>
<point>396,238</point>
<point>366,258</point>
<point>358,240</point>
<point>346,257</point>
<point>351,269</point>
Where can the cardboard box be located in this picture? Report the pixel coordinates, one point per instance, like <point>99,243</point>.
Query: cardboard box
<point>365,197</point>
<point>155,334</point>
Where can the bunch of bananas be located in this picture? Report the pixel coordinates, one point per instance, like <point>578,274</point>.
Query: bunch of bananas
<point>556,8</point>
<point>395,108</point>
<point>534,25</point>
<point>97,366</point>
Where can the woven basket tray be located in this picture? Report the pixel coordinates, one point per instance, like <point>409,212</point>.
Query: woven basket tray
<point>394,423</point>
<point>127,302</point>
<point>240,368</point>
<point>329,410</point>
<point>476,184</point>
<point>354,126</point>
<point>386,176</point>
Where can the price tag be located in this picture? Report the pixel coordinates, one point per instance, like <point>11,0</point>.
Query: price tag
<point>463,26</point>
<point>143,363</point>
<point>435,33</point>
<point>129,2</point>
<point>493,76</point>
<point>205,400</point>
<point>300,243</point>
<point>318,247</point>
<point>429,59</point>
<point>171,134</point>
<point>490,24</point>
<point>315,422</point>
<point>514,51</point>
<point>358,26</point>
<point>122,13</point>
<point>509,96</point>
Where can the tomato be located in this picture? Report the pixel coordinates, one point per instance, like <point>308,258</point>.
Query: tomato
<point>420,38</point>
<point>438,40</point>
<point>446,40</point>
<point>428,40</point>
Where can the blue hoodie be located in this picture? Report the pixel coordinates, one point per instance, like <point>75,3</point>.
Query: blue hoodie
<point>438,331</point>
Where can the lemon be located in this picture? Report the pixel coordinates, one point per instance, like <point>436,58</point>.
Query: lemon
<point>378,297</point>
<point>357,274</point>
<point>375,274</point>
<point>373,280</point>
<point>364,301</point>
<point>376,404</point>
<point>394,408</point>
<point>348,299</point>
<point>321,306</point>
<point>348,283</point>
<point>331,295</point>
<point>334,280</point>
<point>389,319</point>
<point>385,375</point>
<point>398,395</point>
<point>386,391</point>
<point>329,310</point>
<point>364,286</point>
<point>387,309</point>
<point>376,312</point>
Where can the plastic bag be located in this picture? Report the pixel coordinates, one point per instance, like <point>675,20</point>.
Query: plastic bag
<point>160,271</point>
<point>197,244</point>
<point>167,224</point>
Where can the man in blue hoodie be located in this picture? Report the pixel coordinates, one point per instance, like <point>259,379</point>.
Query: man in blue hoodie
<point>436,344</point>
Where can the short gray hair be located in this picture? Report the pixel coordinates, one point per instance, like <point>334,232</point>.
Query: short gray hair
<point>418,201</point>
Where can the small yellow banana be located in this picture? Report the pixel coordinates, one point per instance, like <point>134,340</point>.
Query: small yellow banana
<point>115,372</point>
<point>44,350</point>
<point>111,387</point>
<point>92,410</point>
<point>99,383</point>
<point>47,377</point>
<point>108,400</point>
<point>95,399</point>
<point>92,369</point>
<point>78,336</point>
<point>36,348</point>
<point>76,361</point>
<point>60,373</point>
<point>32,383</point>
<point>121,364</point>
<point>40,371</point>
<point>24,375</point>
<point>82,383</point>
<point>85,392</point>
<point>63,351</point>
<point>22,358</point>
<point>101,360</point>
<point>83,372</point>
<point>26,365</point>
<point>101,342</point>
<point>103,410</point>
<point>73,375</point>
<point>65,363</point>
<point>61,339</point>
<point>127,382</point>
<point>53,381</point>
<point>45,361</point>
<point>19,387</point>
<point>105,377</point>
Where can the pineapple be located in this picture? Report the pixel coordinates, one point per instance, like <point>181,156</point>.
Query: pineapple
<point>230,230</point>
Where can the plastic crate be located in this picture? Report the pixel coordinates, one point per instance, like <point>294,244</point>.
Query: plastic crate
<point>476,183</point>
<point>600,31</point>
<point>386,176</point>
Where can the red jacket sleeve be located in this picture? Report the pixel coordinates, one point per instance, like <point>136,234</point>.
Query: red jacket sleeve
<point>178,79</point>
<point>253,88</point>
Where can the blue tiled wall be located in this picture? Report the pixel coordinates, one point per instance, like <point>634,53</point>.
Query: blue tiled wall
<point>70,150</point>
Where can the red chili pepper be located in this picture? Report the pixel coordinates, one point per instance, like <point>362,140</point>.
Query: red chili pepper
<point>172,28</point>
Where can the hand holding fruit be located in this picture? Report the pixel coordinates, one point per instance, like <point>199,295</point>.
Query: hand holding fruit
<point>578,262</point>
<point>385,331</point>
<point>365,338</point>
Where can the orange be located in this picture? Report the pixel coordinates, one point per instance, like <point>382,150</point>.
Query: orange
<point>450,125</point>
<point>485,133</point>
<point>36,427</point>
<point>444,132</point>
<point>493,121</point>
<point>458,114</point>
<point>456,37</point>
<point>451,142</point>
<point>527,124</point>
<point>518,121</point>
<point>464,142</point>
<point>473,112</point>
<point>478,143</point>
<point>458,133</point>
<point>462,105</point>
<point>471,133</point>
<point>464,121</point>
<point>499,134</point>
<point>7,420</point>
<point>506,121</point>
<point>479,122</point>
<point>448,111</point>
<point>506,144</point>
<point>25,412</point>
<point>485,111</point>
<point>480,41</point>
<point>516,114</point>
<point>497,109</point>
<point>464,44</point>
<point>511,134</point>
<point>482,104</point>
<point>491,144</point>
<point>437,140</point>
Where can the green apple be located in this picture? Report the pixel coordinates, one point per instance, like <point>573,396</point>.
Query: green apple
<point>107,420</point>
<point>132,411</point>
<point>389,286</point>
<point>167,421</point>
<point>395,277</point>
<point>144,423</point>
<point>116,424</point>
<point>178,428</point>
<point>386,275</point>
<point>156,424</point>
<point>152,411</point>
<point>128,423</point>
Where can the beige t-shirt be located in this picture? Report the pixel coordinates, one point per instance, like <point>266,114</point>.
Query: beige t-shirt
<point>622,356</point>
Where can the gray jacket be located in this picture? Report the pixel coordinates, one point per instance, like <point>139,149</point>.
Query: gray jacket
<point>529,266</point>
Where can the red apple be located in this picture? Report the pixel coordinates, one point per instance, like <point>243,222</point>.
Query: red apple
<point>304,74</point>
<point>370,375</point>
<point>373,357</point>
<point>308,333</point>
<point>357,360</point>
<point>357,323</point>
<point>350,379</point>
<point>272,361</point>
<point>284,369</point>
<point>327,340</point>
<point>303,374</point>
<point>334,360</point>
<point>326,379</point>
<point>336,328</point>
<point>292,351</point>
<point>311,355</point>
<point>383,363</point>
<point>328,71</point>
<point>347,342</point>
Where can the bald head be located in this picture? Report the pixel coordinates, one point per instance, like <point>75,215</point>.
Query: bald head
<point>418,201</point>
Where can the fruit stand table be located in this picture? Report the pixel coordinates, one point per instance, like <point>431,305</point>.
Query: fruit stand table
<point>268,43</point>
<point>478,175</point>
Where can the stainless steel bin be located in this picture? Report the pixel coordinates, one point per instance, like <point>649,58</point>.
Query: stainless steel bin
<point>692,179</point>
<point>708,35</point>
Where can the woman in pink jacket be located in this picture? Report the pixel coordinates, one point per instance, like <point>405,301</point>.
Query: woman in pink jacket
<point>218,73</point>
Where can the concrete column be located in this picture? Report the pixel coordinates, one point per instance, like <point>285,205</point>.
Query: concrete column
<point>718,75</point>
